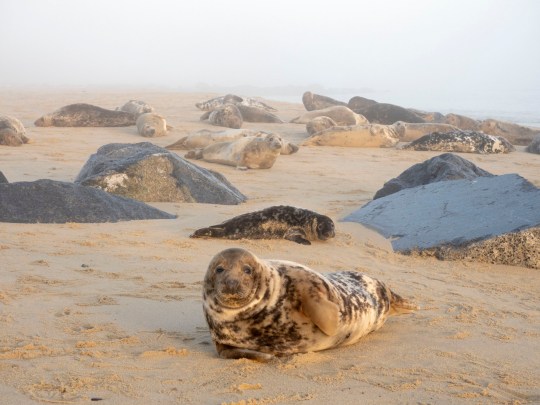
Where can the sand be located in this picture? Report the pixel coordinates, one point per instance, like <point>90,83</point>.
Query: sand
<point>113,311</point>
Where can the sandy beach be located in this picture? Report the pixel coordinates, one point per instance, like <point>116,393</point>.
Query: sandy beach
<point>112,312</point>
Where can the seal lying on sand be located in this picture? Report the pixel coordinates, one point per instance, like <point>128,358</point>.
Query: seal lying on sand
<point>136,107</point>
<point>462,141</point>
<point>227,116</point>
<point>317,102</point>
<point>258,152</point>
<point>85,115</point>
<point>217,102</point>
<point>258,309</point>
<point>360,136</point>
<point>319,124</point>
<point>408,132</point>
<point>151,125</point>
<point>12,131</point>
<point>340,114</point>
<point>278,222</point>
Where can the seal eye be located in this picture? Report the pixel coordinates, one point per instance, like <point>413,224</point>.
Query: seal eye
<point>248,270</point>
<point>220,269</point>
<point>320,227</point>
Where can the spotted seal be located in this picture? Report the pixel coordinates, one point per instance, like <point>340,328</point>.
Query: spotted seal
<point>227,116</point>
<point>278,222</point>
<point>258,309</point>
<point>85,115</point>
<point>12,131</point>
<point>136,107</point>
<point>217,102</point>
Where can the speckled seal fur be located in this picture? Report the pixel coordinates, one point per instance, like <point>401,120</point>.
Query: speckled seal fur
<point>258,309</point>
<point>278,222</point>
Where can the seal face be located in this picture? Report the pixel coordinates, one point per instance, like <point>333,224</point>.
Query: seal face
<point>259,309</point>
<point>277,222</point>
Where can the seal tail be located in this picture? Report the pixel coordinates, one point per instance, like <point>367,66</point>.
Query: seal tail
<point>400,305</point>
<point>210,232</point>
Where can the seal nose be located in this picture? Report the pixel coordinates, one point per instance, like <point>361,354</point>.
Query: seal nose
<point>232,285</point>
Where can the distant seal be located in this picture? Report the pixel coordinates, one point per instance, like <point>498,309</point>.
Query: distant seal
<point>314,102</point>
<point>227,116</point>
<point>408,131</point>
<point>259,152</point>
<point>359,136</point>
<point>85,115</point>
<point>319,124</point>
<point>258,309</point>
<point>256,114</point>
<point>534,146</point>
<point>514,133</point>
<point>205,137</point>
<point>151,125</point>
<point>340,114</point>
<point>136,107</point>
<point>279,222</point>
<point>357,103</point>
<point>12,131</point>
<point>387,114</point>
<point>217,102</point>
<point>462,141</point>
<point>462,122</point>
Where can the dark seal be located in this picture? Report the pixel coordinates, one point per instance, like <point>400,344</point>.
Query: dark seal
<point>277,222</point>
<point>85,115</point>
<point>258,309</point>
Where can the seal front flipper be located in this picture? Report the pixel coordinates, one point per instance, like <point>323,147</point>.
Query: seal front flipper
<point>230,352</point>
<point>322,312</point>
<point>400,305</point>
<point>211,232</point>
<point>296,235</point>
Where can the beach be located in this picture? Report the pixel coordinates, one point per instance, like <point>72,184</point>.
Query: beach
<point>112,312</point>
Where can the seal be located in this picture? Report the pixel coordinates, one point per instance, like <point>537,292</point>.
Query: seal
<point>278,222</point>
<point>12,131</point>
<point>387,114</point>
<point>85,115</point>
<point>217,102</point>
<point>319,124</point>
<point>258,152</point>
<point>136,107</point>
<point>227,116</point>
<point>313,101</point>
<point>359,136</point>
<point>408,131</point>
<point>534,146</point>
<point>342,115</point>
<point>151,125</point>
<point>204,137</point>
<point>259,309</point>
<point>461,141</point>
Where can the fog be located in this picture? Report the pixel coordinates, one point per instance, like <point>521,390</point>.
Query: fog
<point>445,47</point>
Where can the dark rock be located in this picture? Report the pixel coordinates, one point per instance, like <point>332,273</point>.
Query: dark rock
<point>440,168</point>
<point>3,178</point>
<point>463,215</point>
<point>534,146</point>
<point>49,201</point>
<point>147,172</point>
<point>317,102</point>
<point>387,114</point>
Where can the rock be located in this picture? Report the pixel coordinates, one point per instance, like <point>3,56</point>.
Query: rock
<point>516,134</point>
<point>360,136</point>
<point>387,114</point>
<point>340,114</point>
<point>469,218</point>
<point>136,107</point>
<point>317,102</point>
<point>439,168</point>
<point>358,103</point>
<point>319,124</point>
<point>461,141</point>
<point>49,201</point>
<point>3,178</point>
<point>534,146</point>
<point>12,131</point>
<point>147,172</point>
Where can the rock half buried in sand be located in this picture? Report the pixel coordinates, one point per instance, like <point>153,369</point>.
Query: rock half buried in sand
<point>147,172</point>
<point>3,179</point>
<point>317,102</point>
<point>440,168</point>
<point>461,141</point>
<point>534,146</point>
<point>85,115</point>
<point>12,131</point>
<point>461,215</point>
<point>49,201</point>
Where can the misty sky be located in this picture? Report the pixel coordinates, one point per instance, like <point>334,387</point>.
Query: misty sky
<point>425,45</point>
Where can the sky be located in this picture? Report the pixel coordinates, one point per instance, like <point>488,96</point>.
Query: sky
<point>386,45</point>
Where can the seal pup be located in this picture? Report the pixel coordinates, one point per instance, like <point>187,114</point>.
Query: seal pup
<point>342,115</point>
<point>408,131</point>
<point>151,125</point>
<point>278,222</point>
<point>12,131</point>
<point>258,309</point>
<point>217,102</point>
<point>319,124</point>
<point>85,115</point>
<point>461,141</point>
<point>136,107</point>
<point>358,136</point>
<point>317,102</point>
<point>227,116</point>
<point>258,152</point>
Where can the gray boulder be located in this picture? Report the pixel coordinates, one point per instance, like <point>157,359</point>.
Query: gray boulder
<point>534,146</point>
<point>492,217</point>
<point>3,178</point>
<point>49,201</point>
<point>147,172</point>
<point>439,168</point>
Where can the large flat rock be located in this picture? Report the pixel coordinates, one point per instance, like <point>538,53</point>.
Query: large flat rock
<point>454,213</point>
<point>50,201</point>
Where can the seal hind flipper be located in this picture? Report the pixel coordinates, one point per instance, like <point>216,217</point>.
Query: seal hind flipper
<point>231,352</point>
<point>322,312</point>
<point>210,232</point>
<point>400,305</point>
<point>297,235</point>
